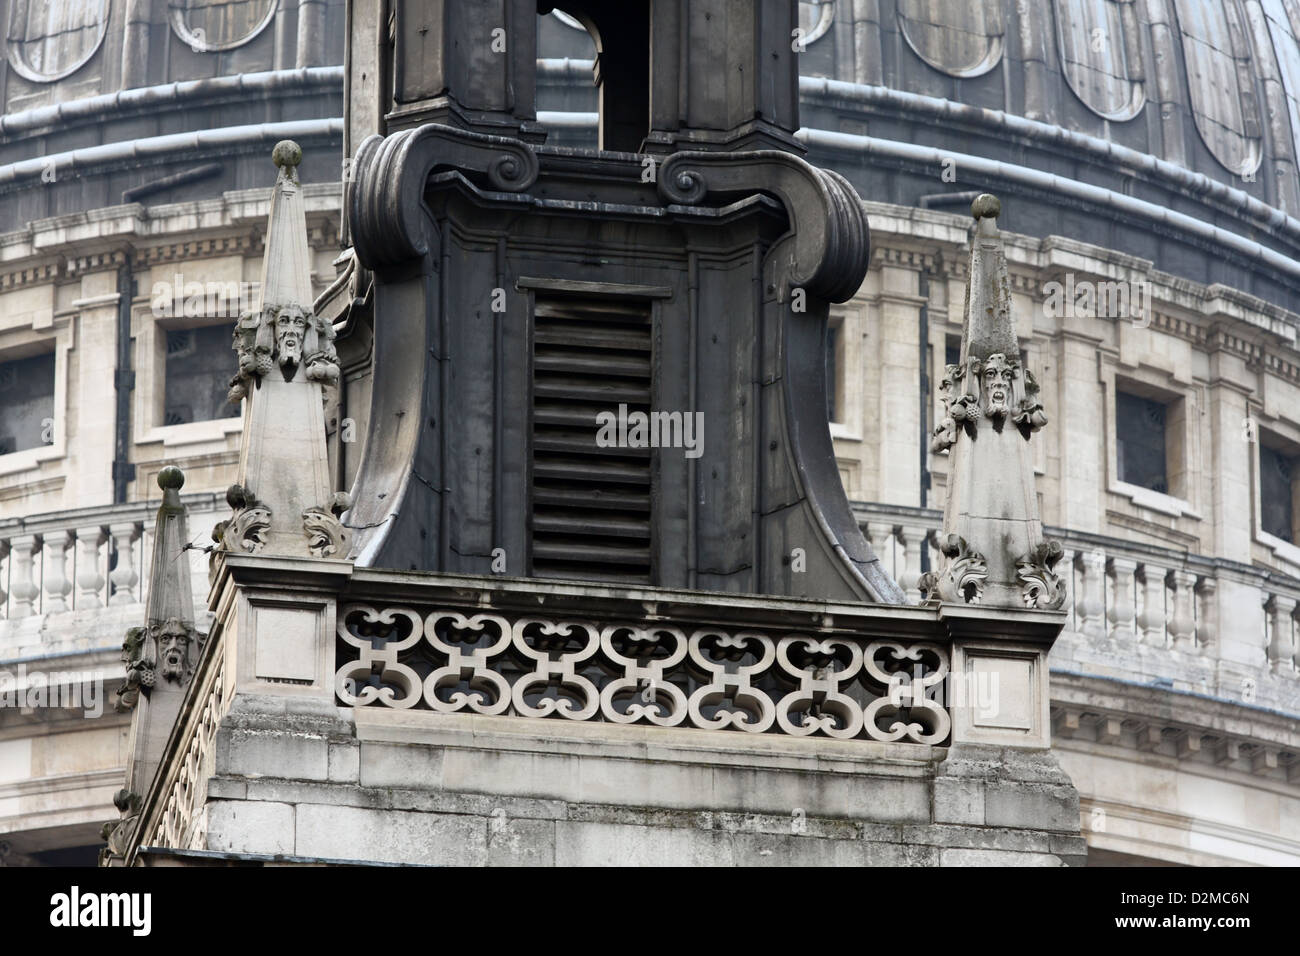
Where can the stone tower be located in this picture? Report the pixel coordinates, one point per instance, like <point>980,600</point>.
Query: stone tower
<point>519,292</point>
<point>598,597</point>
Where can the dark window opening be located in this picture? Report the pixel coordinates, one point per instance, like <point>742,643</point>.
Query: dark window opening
<point>620,30</point>
<point>951,350</point>
<point>1277,493</point>
<point>197,375</point>
<point>1140,442</point>
<point>26,403</point>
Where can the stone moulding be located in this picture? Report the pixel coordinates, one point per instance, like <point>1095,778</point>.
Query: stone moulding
<point>385,197</point>
<point>828,247</point>
<point>451,660</point>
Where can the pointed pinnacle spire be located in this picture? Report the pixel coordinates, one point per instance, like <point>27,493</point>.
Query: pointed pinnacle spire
<point>170,595</point>
<point>286,264</point>
<point>282,502</point>
<point>992,537</point>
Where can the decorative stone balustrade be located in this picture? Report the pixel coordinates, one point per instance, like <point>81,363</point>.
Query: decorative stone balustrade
<point>823,681</point>
<point>1191,622</point>
<point>83,558</point>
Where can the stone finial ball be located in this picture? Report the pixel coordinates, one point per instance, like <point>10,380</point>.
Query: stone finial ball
<point>286,153</point>
<point>986,206</point>
<point>171,478</point>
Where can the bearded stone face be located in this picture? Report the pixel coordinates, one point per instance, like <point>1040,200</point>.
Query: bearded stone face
<point>173,650</point>
<point>290,330</point>
<point>997,376</point>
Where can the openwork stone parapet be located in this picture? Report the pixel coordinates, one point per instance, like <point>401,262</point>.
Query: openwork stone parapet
<point>646,656</point>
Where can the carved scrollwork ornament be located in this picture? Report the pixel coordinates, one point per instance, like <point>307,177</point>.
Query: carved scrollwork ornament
<point>326,536</point>
<point>386,194</point>
<point>246,530</point>
<point>828,247</point>
<point>1040,585</point>
<point>963,577</point>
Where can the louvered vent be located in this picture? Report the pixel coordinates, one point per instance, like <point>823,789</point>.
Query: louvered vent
<point>591,505</point>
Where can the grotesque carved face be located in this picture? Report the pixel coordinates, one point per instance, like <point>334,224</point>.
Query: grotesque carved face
<point>290,329</point>
<point>173,649</point>
<point>998,374</point>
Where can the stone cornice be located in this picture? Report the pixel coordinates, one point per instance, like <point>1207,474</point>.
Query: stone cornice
<point>1177,724</point>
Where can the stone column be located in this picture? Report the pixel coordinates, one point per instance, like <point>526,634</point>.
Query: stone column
<point>1182,622</point>
<point>124,576</point>
<point>55,576</point>
<point>1207,630</point>
<point>89,580</point>
<point>1120,614</point>
<point>22,589</point>
<point>1151,583</point>
<point>912,539</point>
<point>1281,634</point>
<point>881,535</point>
<point>1091,604</point>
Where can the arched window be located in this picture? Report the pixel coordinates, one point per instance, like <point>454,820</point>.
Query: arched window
<point>620,32</point>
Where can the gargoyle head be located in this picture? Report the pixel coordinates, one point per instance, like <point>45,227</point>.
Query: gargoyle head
<point>997,376</point>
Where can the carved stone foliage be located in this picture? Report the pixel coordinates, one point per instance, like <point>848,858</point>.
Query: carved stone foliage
<point>140,657</point>
<point>962,579</point>
<point>326,536</point>
<point>960,409</point>
<point>828,247</point>
<point>1041,586</point>
<point>244,531</point>
<point>389,174</point>
<point>455,660</point>
<point>117,834</point>
<point>287,337</point>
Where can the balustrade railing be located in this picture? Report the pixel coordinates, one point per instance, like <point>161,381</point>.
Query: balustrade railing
<point>857,674</point>
<point>1129,592</point>
<point>85,558</point>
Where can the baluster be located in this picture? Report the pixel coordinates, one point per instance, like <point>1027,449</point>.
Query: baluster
<point>1207,625</point>
<point>913,539</point>
<point>124,575</point>
<point>89,580</point>
<point>1151,588</point>
<point>22,589</point>
<point>1182,622</point>
<point>881,534</point>
<point>1091,605</point>
<point>56,583</point>
<point>1281,643</point>
<point>1121,608</point>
